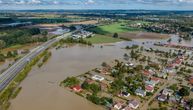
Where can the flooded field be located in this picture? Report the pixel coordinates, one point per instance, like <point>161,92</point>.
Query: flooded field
<point>41,90</point>
<point>143,35</point>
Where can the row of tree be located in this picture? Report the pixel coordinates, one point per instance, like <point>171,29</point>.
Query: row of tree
<point>21,37</point>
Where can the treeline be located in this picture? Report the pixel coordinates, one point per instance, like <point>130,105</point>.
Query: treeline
<point>6,20</point>
<point>45,20</point>
<point>79,40</point>
<point>21,37</point>
<point>45,58</point>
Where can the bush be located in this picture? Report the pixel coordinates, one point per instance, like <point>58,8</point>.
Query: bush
<point>70,81</point>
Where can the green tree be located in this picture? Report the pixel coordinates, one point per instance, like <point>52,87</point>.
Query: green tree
<point>2,44</point>
<point>70,81</point>
<point>45,33</point>
<point>85,85</point>
<point>9,54</point>
<point>115,35</point>
<point>94,88</point>
<point>2,57</point>
<point>184,91</point>
<point>94,99</point>
<point>190,103</point>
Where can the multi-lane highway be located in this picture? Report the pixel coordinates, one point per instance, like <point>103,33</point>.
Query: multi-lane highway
<point>7,76</point>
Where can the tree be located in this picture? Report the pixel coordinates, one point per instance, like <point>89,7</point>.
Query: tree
<point>72,28</point>
<point>117,85</point>
<point>85,85</point>
<point>2,57</point>
<point>9,54</point>
<point>2,44</point>
<point>71,81</point>
<point>115,35</point>
<point>106,100</point>
<point>94,99</point>
<point>45,33</point>
<point>15,53</point>
<point>184,91</point>
<point>174,87</point>
<point>190,103</point>
<point>94,88</point>
<point>104,64</point>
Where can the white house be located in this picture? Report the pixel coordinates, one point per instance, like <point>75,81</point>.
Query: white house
<point>98,78</point>
<point>118,105</point>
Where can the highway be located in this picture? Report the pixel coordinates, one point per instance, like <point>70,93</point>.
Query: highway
<point>7,76</point>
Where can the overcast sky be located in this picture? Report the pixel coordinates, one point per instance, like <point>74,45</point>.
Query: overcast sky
<point>98,4</point>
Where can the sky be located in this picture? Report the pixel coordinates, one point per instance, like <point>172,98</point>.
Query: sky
<point>97,4</point>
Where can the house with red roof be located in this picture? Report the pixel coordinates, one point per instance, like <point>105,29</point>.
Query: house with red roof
<point>149,88</point>
<point>146,73</point>
<point>155,79</point>
<point>191,80</point>
<point>77,88</point>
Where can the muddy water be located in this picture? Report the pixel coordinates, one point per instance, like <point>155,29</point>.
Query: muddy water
<point>41,91</point>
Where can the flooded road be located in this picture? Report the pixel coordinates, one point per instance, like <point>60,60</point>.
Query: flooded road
<point>41,90</point>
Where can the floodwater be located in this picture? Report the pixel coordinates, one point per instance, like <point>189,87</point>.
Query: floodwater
<point>41,90</point>
<point>174,40</point>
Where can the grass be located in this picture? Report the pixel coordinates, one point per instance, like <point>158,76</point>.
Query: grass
<point>97,39</point>
<point>113,28</point>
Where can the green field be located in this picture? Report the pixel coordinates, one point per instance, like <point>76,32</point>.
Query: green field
<point>113,28</point>
<point>97,39</point>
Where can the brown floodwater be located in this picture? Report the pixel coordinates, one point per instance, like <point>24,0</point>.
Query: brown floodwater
<point>41,90</point>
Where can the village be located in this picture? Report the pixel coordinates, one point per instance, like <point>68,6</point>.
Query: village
<point>142,79</point>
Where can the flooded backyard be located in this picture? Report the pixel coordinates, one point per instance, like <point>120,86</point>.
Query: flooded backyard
<point>41,90</point>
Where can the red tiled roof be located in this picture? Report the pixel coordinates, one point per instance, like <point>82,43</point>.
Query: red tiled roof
<point>146,73</point>
<point>149,88</point>
<point>191,80</point>
<point>155,79</point>
<point>77,88</point>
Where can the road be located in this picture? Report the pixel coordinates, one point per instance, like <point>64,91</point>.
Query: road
<point>7,76</point>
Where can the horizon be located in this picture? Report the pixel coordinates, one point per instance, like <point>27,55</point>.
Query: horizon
<point>96,4</point>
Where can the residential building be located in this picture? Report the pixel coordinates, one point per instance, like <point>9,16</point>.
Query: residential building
<point>118,105</point>
<point>98,78</point>
<point>133,104</point>
<point>162,98</point>
<point>167,92</point>
<point>140,92</point>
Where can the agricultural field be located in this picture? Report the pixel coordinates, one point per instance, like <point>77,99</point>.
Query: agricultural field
<point>102,39</point>
<point>120,27</point>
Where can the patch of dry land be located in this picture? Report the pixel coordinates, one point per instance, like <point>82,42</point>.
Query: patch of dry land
<point>143,35</point>
<point>66,24</point>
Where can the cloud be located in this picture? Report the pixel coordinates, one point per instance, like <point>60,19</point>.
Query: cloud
<point>35,2</point>
<point>97,2</point>
<point>90,2</point>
